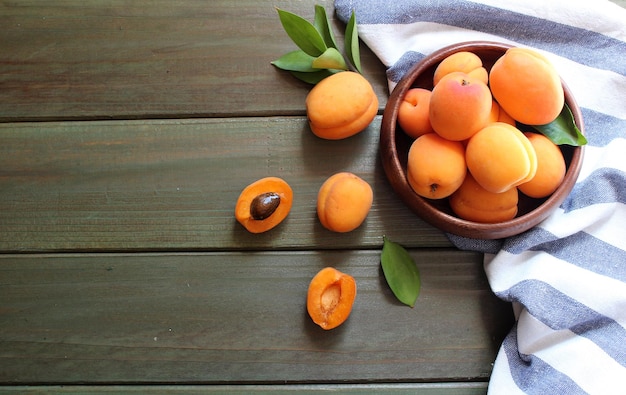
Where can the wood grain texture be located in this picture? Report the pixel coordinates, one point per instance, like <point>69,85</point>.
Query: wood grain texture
<point>240,318</point>
<point>73,59</point>
<point>172,185</point>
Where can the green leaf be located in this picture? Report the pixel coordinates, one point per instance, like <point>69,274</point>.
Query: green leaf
<point>330,59</point>
<point>295,61</point>
<point>314,77</point>
<point>400,272</point>
<point>563,129</point>
<point>352,43</point>
<point>322,24</point>
<point>302,32</point>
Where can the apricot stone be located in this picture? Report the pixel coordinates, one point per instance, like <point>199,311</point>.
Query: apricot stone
<point>436,167</point>
<point>527,86</point>
<point>341,105</point>
<point>459,106</point>
<point>343,202</point>
<point>500,157</point>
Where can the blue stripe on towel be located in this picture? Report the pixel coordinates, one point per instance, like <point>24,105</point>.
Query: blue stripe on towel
<point>564,40</point>
<point>565,313</point>
<point>605,185</point>
<point>534,376</point>
<point>601,129</point>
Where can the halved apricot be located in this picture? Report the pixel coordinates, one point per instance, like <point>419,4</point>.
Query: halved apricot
<point>264,204</point>
<point>330,297</point>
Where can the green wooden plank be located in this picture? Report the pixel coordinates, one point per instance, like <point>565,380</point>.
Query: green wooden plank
<point>240,318</point>
<point>72,59</point>
<point>172,185</point>
<point>352,389</point>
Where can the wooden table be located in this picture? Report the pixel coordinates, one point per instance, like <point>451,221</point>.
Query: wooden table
<point>127,132</point>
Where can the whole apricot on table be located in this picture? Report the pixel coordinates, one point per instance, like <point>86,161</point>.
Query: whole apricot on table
<point>343,202</point>
<point>550,167</point>
<point>460,106</point>
<point>264,204</point>
<point>330,297</point>
<point>463,61</point>
<point>527,86</point>
<point>436,167</point>
<point>341,105</point>
<point>500,157</point>
<point>413,115</point>
<point>472,202</point>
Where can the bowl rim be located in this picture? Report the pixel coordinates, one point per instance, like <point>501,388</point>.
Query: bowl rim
<point>421,206</point>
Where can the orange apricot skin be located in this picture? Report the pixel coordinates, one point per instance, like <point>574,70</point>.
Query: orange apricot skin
<point>436,167</point>
<point>550,168</point>
<point>264,185</point>
<point>472,202</point>
<point>330,297</point>
<point>527,86</point>
<point>413,115</point>
<point>459,106</point>
<point>500,157</point>
<point>343,202</point>
<point>341,106</point>
<point>464,61</point>
<point>499,115</point>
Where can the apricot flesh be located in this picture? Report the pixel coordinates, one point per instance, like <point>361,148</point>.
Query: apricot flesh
<point>436,167</point>
<point>500,157</point>
<point>527,86</point>
<point>550,167</point>
<point>341,106</point>
<point>459,106</point>
<point>264,204</point>
<point>472,202</point>
<point>330,297</point>
<point>343,202</point>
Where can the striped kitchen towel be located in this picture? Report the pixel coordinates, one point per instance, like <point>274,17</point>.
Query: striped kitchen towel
<point>566,277</point>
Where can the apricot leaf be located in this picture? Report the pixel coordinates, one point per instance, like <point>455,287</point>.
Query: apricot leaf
<point>314,77</point>
<point>295,61</point>
<point>302,33</point>
<point>400,272</point>
<point>352,43</point>
<point>563,130</point>
<point>322,24</point>
<point>330,59</point>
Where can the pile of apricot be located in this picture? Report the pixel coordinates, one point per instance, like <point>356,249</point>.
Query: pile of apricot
<point>468,147</point>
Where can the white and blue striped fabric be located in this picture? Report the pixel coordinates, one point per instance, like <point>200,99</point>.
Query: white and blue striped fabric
<point>566,278</point>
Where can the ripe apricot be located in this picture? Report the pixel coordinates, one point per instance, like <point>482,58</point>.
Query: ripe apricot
<point>330,297</point>
<point>341,105</point>
<point>500,157</point>
<point>527,86</point>
<point>413,112</point>
<point>459,106</point>
<point>550,167</point>
<point>465,62</point>
<point>499,115</point>
<point>264,204</point>
<point>474,203</point>
<point>436,167</point>
<point>343,202</point>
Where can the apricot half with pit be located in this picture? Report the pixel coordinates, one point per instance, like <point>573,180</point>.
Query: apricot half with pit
<point>264,204</point>
<point>330,297</point>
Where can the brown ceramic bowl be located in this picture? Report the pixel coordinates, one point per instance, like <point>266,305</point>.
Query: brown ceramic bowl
<point>394,147</point>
